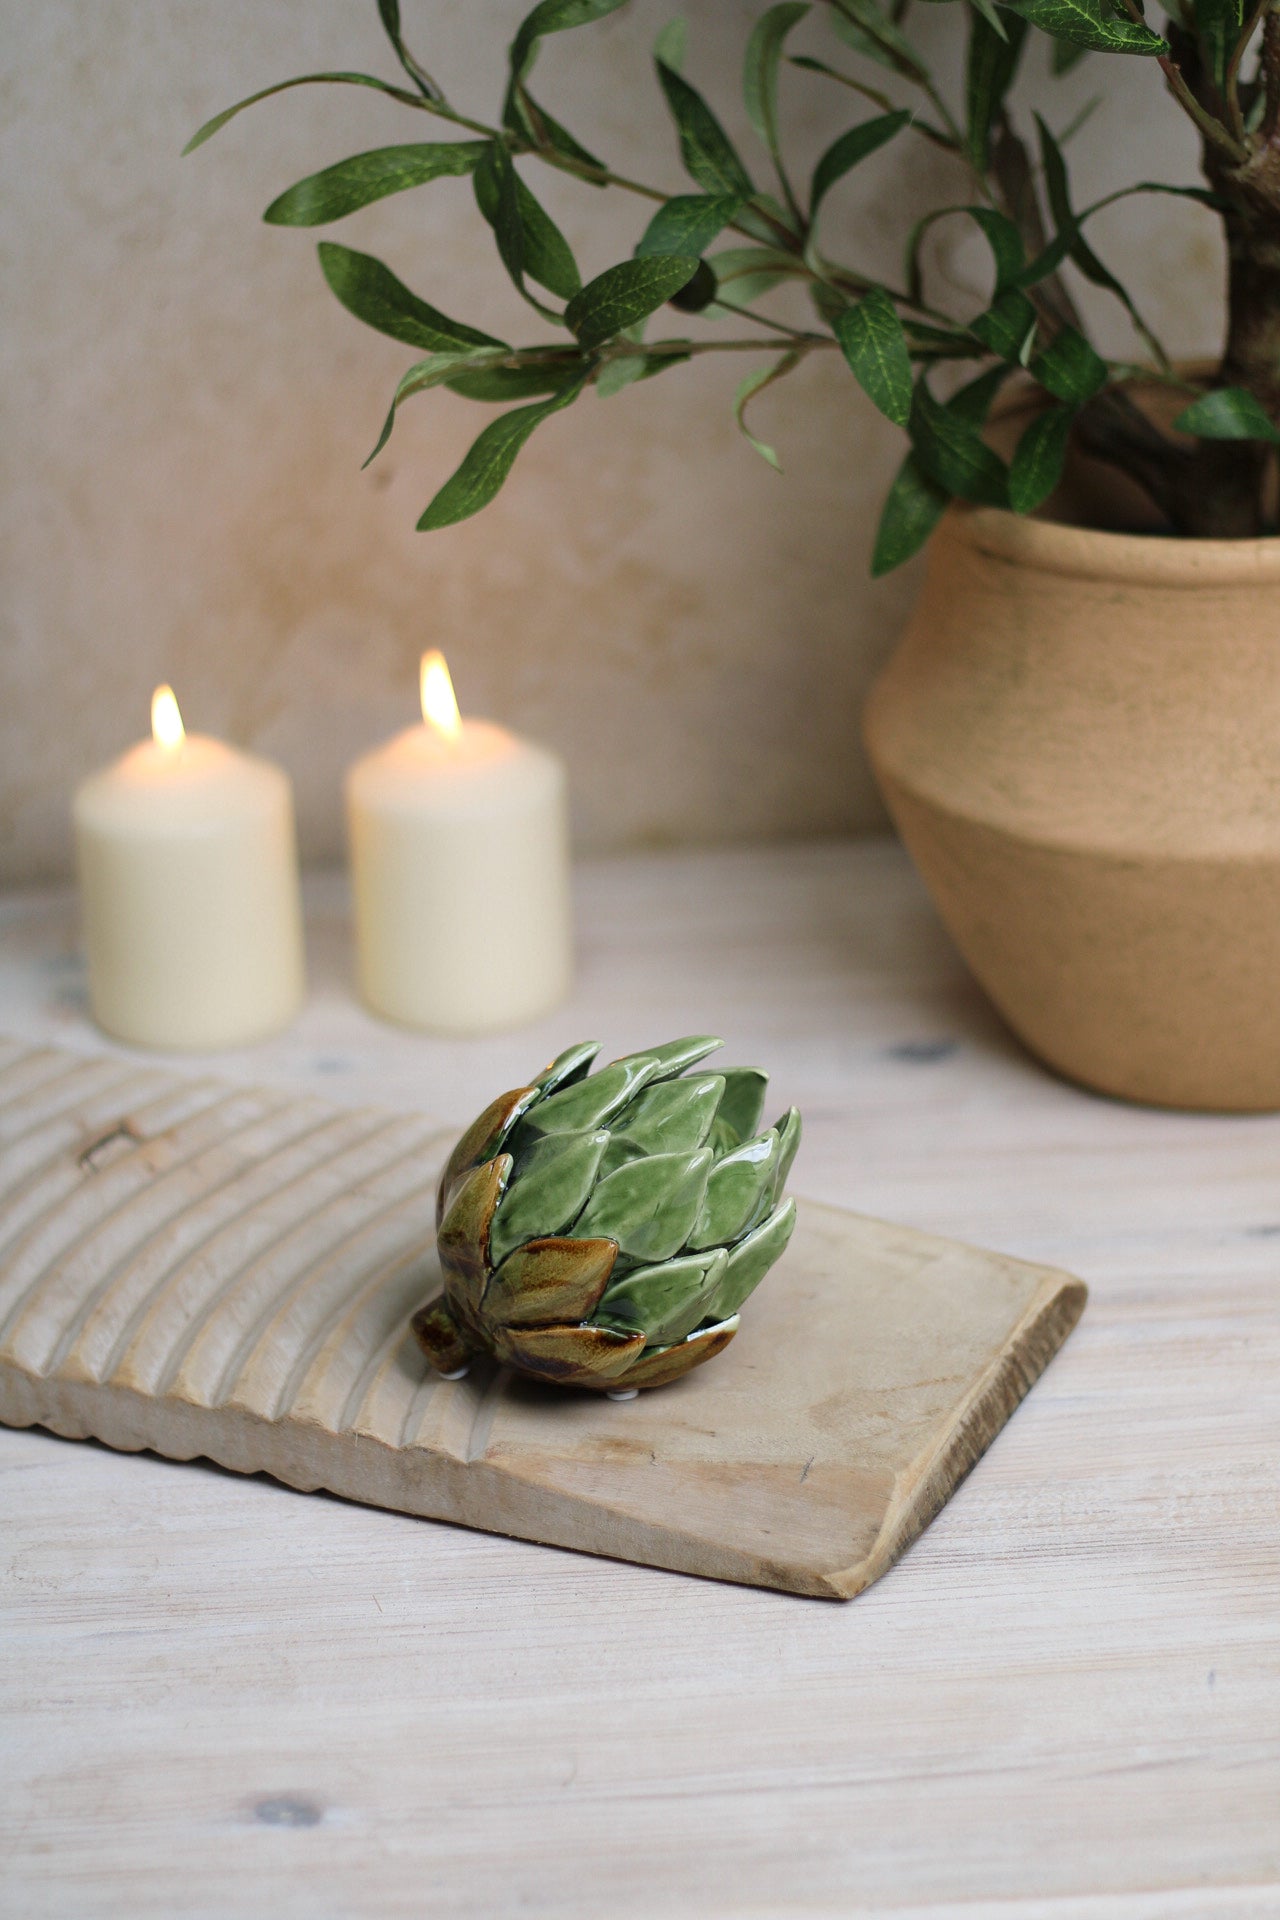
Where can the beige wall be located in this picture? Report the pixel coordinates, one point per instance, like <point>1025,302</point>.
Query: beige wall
<point>187,408</point>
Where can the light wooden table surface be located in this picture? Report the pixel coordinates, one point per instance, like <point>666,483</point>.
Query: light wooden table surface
<point>221,1698</point>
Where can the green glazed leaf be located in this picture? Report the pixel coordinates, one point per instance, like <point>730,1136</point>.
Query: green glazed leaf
<point>1008,326</point>
<point>547,1191</point>
<point>760,67</point>
<point>747,389</point>
<point>490,460</point>
<point>705,147</point>
<point>875,346</point>
<point>219,120</point>
<point>688,223</point>
<point>625,293</point>
<point>741,1103</point>
<point>851,148</point>
<point>673,1116</point>
<point>371,291</point>
<point>674,1056</point>
<point>749,1262</point>
<point>1069,368</point>
<point>739,1190</point>
<point>1089,23</point>
<point>567,1067</point>
<point>954,454</point>
<point>367,177</point>
<point>1036,467</point>
<point>649,1206</point>
<point>591,1102</point>
<point>663,1302</point>
<point>788,1130</point>
<point>1228,413</point>
<point>529,240</point>
<point>913,507</point>
<point>992,62</point>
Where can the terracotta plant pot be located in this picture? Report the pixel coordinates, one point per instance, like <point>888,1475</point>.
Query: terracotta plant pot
<point>1079,740</point>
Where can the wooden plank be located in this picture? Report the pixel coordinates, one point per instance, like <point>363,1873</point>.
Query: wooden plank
<point>231,1275</point>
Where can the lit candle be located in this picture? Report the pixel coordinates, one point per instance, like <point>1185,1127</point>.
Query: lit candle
<point>189,891</point>
<point>460,870</point>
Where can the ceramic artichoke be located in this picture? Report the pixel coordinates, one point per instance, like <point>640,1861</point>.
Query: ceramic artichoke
<point>603,1229</point>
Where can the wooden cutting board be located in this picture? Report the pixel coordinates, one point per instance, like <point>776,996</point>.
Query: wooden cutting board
<point>229,1272</point>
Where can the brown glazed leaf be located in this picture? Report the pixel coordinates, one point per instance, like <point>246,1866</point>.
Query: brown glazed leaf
<point>463,1240</point>
<point>549,1282</point>
<point>481,1141</point>
<point>440,1337</point>
<point>570,1356</point>
<point>668,1363</point>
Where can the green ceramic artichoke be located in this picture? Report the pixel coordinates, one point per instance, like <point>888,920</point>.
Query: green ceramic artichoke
<point>604,1229</point>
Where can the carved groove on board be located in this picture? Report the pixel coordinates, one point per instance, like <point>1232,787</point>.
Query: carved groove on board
<point>232,1272</point>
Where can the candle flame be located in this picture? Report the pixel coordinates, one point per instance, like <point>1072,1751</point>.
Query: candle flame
<point>439,704</point>
<point>167,729</point>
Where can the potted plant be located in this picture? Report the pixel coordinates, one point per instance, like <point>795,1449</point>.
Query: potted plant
<point>1079,736</point>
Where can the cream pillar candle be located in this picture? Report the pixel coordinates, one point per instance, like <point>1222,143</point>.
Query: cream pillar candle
<point>460,871</point>
<point>189,891</point>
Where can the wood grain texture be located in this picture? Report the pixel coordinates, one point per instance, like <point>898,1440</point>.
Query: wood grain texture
<point>203,1271</point>
<point>219,1701</point>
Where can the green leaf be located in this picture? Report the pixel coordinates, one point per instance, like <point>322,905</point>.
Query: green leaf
<point>868,29</point>
<point>875,346</point>
<point>553,16</point>
<point>1058,193</point>
<point>849,149</point>
<point>672,1057</point>
<point>434,371</point>
<point>210,127</point>
<point>371,291</point>
<point>1008,326</point>
<point>1036,467</point>
<point>939,343</point>
<point>389,13</point>
<point>913,507</point>
<point>688,223</point>
<point>568,1068</point>
<point>625,293</point>
<point>1089,23</point>
<point>756,383</point>
<point>1228,413</point>
<point>705,147</point>
<point>672,1116</point>
<point>739,1191</point>
<point>741,1104</point>
<point>1001,234</point>
<point>953,452</point>
<point>529,240</point>
<point>744,273</point>
<point>671,44</point>
<point>367,177</point>
<point>1217,29</point>
<point>972,403</point>
<point>503,384</point>
<point>1069,368</point>
<point>545,128</point>
<point>760,67</point>
<point>487,465</point>
<point>990,67</point>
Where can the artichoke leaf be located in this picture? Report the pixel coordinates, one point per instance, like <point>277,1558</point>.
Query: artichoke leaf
<point>748,1262</point>
<point>649,1206</point>
<point>483,1138</point>
<point>664,1302</point>
<point>463,1239</point>
<point>671,1116</point>
<point>740,1189</point>
<point>576,1356</point>
<point>741,1104</point>
<point>676,1055</point>
<point>659,1365</point>
<point>588,1103</point>
<point>788,1131</point>
<point>567,1068</point>
<point>547,1191</point>
<point>550,1282</point>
